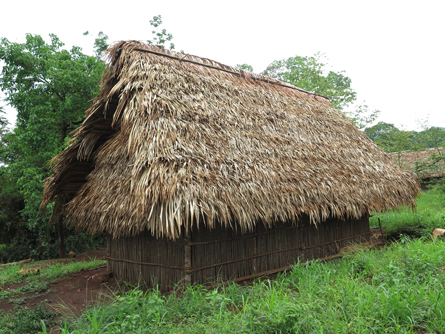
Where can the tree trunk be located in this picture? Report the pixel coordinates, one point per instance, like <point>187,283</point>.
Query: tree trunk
<point>62,249</point>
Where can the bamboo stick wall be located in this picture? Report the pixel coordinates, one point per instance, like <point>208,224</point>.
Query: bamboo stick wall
<point>210,255</point>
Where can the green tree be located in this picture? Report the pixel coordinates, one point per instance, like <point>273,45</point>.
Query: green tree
<point>160,37</point>
<point>433,139</point>
<point>3,120</point>
<point>362,115</point>
<point>312,74</point>
<point>11,202</point>
<point>50,87</point>
<point>390,138</point>
<point>3,128</point>
<point>380,131</point>
<point>399,142</point>
<point>245,67</point>
<point>3,134</point>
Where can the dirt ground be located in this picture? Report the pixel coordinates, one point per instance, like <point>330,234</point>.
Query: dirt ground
<point>71,294</point>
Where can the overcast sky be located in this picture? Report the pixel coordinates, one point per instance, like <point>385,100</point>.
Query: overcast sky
<point>393,51</point>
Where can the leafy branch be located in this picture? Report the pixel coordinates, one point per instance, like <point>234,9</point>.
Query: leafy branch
<point>160,37</point>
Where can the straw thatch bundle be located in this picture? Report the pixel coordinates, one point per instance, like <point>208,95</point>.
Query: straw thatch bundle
<point>173,140</point>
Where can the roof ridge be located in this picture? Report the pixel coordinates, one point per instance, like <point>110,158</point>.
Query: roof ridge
<point>241,73</point>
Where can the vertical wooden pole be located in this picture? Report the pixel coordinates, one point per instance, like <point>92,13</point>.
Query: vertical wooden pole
<point>187,260</point>
<point>62,249</point>
<point>255,252</point>
<point>108,252</point>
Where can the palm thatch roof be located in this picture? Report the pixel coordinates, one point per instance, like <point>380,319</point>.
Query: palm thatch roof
<point>425,163</point>
<point>175,139</point>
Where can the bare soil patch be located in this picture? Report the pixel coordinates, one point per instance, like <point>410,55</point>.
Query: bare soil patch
<point>71,294</point>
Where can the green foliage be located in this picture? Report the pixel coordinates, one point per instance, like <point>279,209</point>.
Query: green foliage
<point>3,122</point>
<point>392,139</point>
<point>11,203</point>
<point>23,320</point>
<point>50,87</point>
<point>41,242</point>
<point>381,131</point>
<point>4,131</point>
<point>363,116</point>
<point>53,272</point>
<point>8,272</point>
<point>160,37</point>
<point>429,215</point>
<point>394,290</point>
<point>2,249</point>
<point>245,67</point>
<point>440,186</point>
<point>100,44</point>
<point>312,74</point>
<point>433,138</point>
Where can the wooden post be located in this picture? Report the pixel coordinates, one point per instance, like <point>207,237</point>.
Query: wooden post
<point>255,252</point>
<point>108,252</point>
<point>187,260</point>
<point>62,248</point>
<point>381,231</point>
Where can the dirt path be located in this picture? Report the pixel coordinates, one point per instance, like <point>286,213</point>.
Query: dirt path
<point>71,294</point>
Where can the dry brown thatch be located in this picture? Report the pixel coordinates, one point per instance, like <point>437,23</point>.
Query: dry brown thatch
<point>168,143</point>
<point>421,162</point>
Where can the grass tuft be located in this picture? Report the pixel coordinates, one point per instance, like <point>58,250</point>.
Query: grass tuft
<point>430,214</point>
<point>48,273</point>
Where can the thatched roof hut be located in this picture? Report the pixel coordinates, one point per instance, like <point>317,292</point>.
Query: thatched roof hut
<point>426,164</point>
<point>177,145</point>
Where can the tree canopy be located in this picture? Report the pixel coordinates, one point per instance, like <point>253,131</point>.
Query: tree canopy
<point>50,87</point>
<point>312,74</point>
<point>160,37</point>
<point>245,67</point>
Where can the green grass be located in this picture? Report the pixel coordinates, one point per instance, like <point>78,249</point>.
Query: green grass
<point>399,289</point>
<point>34,286</point>
<point>48,273</point>
<point>23,320</point>
<point>429,215</point>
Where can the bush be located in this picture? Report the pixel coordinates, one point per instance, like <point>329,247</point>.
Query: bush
<point>22,243</point>
<point>23,320</point>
